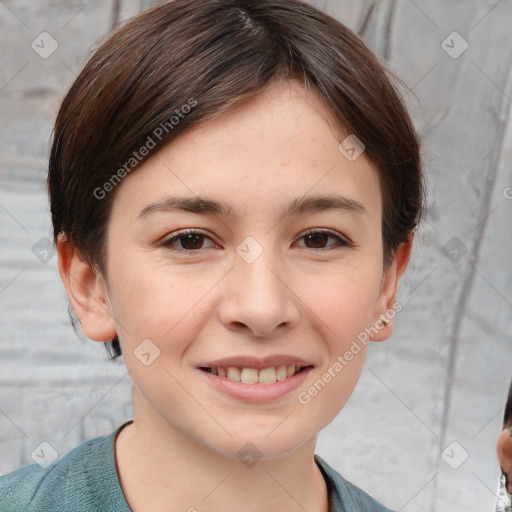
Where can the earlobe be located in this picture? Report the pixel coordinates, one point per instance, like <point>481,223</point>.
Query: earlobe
<point>386,306</point>
<point>87,291</point>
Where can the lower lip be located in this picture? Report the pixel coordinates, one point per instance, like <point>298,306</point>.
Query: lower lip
<point>257,392</point>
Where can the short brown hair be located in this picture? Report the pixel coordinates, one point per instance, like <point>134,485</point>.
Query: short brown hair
<point>507,416</point>
<point>218,52</point>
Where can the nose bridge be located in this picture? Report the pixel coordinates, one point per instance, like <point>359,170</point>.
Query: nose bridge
<point>258,267</point>
<point>259,297</point>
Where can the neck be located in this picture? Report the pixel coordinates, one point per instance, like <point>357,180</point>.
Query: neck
<point>162,469</point>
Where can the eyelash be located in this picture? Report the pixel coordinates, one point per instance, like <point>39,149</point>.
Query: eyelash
<point>168,242</point>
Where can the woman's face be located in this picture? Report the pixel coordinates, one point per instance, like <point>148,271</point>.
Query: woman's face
<point>249,289</point>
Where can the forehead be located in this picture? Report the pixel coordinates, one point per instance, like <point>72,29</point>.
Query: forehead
<point>270,150</point>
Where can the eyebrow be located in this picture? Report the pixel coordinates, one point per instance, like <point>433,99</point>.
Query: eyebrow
<point>298,206</point>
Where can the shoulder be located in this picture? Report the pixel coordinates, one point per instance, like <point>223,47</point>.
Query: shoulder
<point>344,496</point>
<point>84,479</point>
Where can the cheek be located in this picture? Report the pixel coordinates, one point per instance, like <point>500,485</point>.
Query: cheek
<point>343,306</point>
<point>324,397</point>
<point>344,299</point>
<point>150,300</point>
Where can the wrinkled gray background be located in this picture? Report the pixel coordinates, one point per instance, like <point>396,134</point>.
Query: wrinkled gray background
<point>443,376</point>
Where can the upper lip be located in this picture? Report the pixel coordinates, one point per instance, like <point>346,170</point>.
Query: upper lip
<point>255,362</point>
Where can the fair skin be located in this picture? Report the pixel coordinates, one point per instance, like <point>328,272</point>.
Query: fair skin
<point>307,299</point>
<point>504,452</point>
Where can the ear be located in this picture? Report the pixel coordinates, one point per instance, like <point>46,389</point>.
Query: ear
<point>504,452</point>
<point>385,308</point>
<point>87,291</point>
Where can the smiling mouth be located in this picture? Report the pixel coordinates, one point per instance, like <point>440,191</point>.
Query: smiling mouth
<point>268,375</point>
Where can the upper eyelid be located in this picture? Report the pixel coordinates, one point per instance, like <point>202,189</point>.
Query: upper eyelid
<point>347,241</point>
<point>189,231</point>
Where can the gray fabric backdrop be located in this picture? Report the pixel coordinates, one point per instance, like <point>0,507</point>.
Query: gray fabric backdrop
<point>419,431</point>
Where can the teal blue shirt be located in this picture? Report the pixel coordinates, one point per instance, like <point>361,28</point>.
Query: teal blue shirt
<point>86,480</point>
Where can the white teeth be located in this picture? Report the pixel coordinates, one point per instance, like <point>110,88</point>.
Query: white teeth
<point>249,375</point>
<point>267,375</point>
<point>233,373</point>
<point>253,376</point>
<point>281,372</point>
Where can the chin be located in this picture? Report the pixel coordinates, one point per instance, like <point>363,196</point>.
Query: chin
<point>264,443</point>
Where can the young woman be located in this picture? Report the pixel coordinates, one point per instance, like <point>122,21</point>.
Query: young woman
<point>234,188</point>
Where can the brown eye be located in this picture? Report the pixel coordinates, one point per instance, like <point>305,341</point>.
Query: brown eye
<point>192,242</point>
<point>187,241</point>
<point>318,240</point>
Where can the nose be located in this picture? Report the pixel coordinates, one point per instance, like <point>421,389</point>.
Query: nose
<point>258,301</point>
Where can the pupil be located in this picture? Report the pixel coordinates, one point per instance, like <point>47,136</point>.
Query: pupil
<point>193,239</point>
<point>317,238</point>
